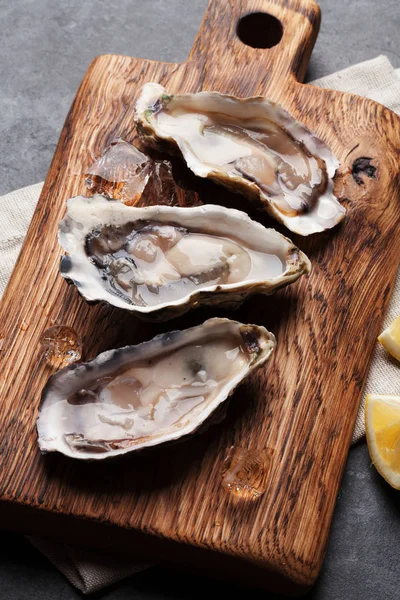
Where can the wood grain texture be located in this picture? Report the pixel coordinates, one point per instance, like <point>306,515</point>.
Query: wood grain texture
<point>169,504</point>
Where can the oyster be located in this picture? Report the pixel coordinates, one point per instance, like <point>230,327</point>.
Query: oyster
<point>143,395</point>
<point>250,145</point>
<point>160,261</point>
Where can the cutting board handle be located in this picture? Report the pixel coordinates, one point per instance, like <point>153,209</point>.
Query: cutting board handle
<point>276,37</point>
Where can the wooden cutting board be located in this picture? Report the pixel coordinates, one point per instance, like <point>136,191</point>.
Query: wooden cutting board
<point>297,414</point>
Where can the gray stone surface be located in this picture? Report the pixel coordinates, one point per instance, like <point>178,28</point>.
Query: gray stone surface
<point>46,48</point>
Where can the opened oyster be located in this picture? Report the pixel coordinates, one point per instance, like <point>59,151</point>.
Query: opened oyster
<point>158,391</point>
<point>162,260</point>
<point>250,145</point>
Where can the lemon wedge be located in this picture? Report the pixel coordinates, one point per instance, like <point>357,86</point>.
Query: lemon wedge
<point>382,424</point>
<point>390,338</point>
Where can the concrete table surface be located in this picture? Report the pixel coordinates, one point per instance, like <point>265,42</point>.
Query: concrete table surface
<point>46,49</point>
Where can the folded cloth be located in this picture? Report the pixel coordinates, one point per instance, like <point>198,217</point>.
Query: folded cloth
<point>90,571</point>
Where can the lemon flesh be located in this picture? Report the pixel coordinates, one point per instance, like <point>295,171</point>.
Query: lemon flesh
<point>382,424</point>
<point>390,338</point>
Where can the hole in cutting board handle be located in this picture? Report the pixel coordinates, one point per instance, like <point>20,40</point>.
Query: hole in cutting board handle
<point>259,30</point>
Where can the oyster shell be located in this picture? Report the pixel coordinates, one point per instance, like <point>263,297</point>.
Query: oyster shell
<point>250,145</point>
<point>160,261</point>
<point>143,395</point>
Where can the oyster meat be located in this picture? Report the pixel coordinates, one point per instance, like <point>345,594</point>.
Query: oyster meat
<point>143,395</point>
<point>250,145</point>
<point>162,260</point>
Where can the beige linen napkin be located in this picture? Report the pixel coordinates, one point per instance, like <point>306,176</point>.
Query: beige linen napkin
<point>89,571</point>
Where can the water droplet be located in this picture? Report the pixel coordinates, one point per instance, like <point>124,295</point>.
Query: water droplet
<point>62,345</point>
<point>245,472</point>
<point>23,325</point>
